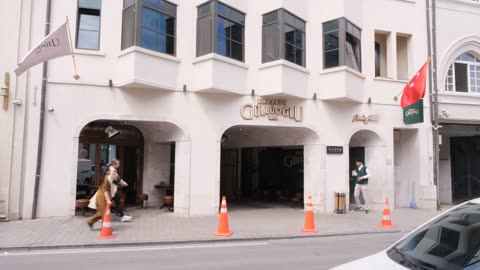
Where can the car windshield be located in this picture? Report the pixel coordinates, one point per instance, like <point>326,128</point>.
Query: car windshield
<point>450,242</point>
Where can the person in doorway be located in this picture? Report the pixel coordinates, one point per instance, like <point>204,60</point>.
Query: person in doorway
<point>362,173</point>
<point>117,183</point>
<point>102,198</point>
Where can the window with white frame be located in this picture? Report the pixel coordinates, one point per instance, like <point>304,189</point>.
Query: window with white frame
<point>88,24</point>
<point>463,76</point>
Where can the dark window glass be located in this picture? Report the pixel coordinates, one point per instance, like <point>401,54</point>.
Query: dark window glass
<point>293,31</point>
<point>289,53</point>
<point>230,32</point>
<point>332,59</point>
<point>237,50</point>
<point>461,77</point>
<point>222,47</point>
<point>330,41</point>
<point>289,34</point>
<point>88,25</point>
<point>158,31</point>
<point>341,35</point>
<point>228,27</point>
<point>157,26</point>
<point>149,39</point>
<point>223,27</point>
<point>294,42</point>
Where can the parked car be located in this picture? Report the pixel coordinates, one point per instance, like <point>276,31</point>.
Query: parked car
<point>450,241</point>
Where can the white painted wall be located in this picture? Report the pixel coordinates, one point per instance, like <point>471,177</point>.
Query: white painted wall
<point>202,117</point>
<point>406,167</point>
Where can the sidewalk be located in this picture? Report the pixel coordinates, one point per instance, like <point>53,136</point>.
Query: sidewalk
<point>154,226</point>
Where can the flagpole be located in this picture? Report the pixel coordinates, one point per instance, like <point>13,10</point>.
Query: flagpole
<point>75,76</point>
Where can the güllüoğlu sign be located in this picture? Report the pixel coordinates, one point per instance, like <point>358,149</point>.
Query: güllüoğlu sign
<point>413,114</point>
<point>271,108</point>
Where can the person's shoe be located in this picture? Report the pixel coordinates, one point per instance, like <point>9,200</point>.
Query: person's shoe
<point>125,218</point>
<point>357,208</point>
<point>90,226</point>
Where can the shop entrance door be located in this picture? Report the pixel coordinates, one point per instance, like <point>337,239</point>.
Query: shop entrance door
<point>355,154</point>
<point>465,153</point>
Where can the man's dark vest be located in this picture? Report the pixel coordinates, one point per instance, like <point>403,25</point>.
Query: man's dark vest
<point>360,173</point>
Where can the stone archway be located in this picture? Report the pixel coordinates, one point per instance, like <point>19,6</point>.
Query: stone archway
<point>246,174</point>
<point>367,145</point>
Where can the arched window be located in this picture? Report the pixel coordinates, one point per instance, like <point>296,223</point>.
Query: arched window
<point>464,75</point>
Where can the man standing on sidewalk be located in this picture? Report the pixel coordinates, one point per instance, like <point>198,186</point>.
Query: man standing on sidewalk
<point>362,173</point>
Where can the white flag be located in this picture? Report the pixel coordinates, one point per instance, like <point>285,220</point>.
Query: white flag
<point>52,46</point>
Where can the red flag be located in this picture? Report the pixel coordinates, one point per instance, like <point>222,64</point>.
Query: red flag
<point>415,89</point>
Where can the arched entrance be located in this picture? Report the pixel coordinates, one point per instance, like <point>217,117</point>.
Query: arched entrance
<point>153,156</point>
<point>264,166</point>
<point>367,145</point>
<point>99,143</point>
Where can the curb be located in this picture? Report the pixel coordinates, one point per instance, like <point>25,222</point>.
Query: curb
<point>177,242</point>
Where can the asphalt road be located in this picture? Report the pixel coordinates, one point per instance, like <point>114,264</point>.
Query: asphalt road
<point>309,253</point>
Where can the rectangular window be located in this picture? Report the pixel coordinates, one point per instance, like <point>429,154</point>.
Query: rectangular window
<point>402,57</point>
<point>449,80</point>
<point>155,27</point>
<point>283,36</point>
<point>342,44</point>
<point>461,77</point>
<point>88,24</point>
<point>220,29</point>
<point>381,54</point>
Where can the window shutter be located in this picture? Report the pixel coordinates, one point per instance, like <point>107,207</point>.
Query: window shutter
<point>128,27</point>
<point>204,35</point>
<point>270,43</point>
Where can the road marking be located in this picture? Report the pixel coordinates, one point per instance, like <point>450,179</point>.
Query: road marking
<point>129,249</point>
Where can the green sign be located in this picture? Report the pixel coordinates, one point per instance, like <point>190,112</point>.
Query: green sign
<point>414,113</point>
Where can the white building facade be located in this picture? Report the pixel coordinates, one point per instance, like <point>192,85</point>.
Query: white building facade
<point>458,57</point>
<point>248,99</point>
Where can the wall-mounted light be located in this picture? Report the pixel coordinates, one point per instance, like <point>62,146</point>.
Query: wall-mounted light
<point>369,101</point>
<point>445,113</point>
<point>315,96</point>
<point>111,131</point>
<point>110,83</point>
<point>253,92</point>
<point>184,88</point>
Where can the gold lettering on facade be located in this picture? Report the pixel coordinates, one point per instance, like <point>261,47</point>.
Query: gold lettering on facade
<point>246,112</point>
<point>272,109</point>
<point>292,160</point>
<point>365,118</point>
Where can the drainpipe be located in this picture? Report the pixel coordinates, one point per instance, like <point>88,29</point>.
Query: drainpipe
<point>42,119</point>
<point>433,87</point>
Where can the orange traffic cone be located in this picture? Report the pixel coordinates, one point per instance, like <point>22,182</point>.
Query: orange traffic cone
<point>386,221</point>
<point>106,232</point>
<point>309,225</point>
<point>223,229</point>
